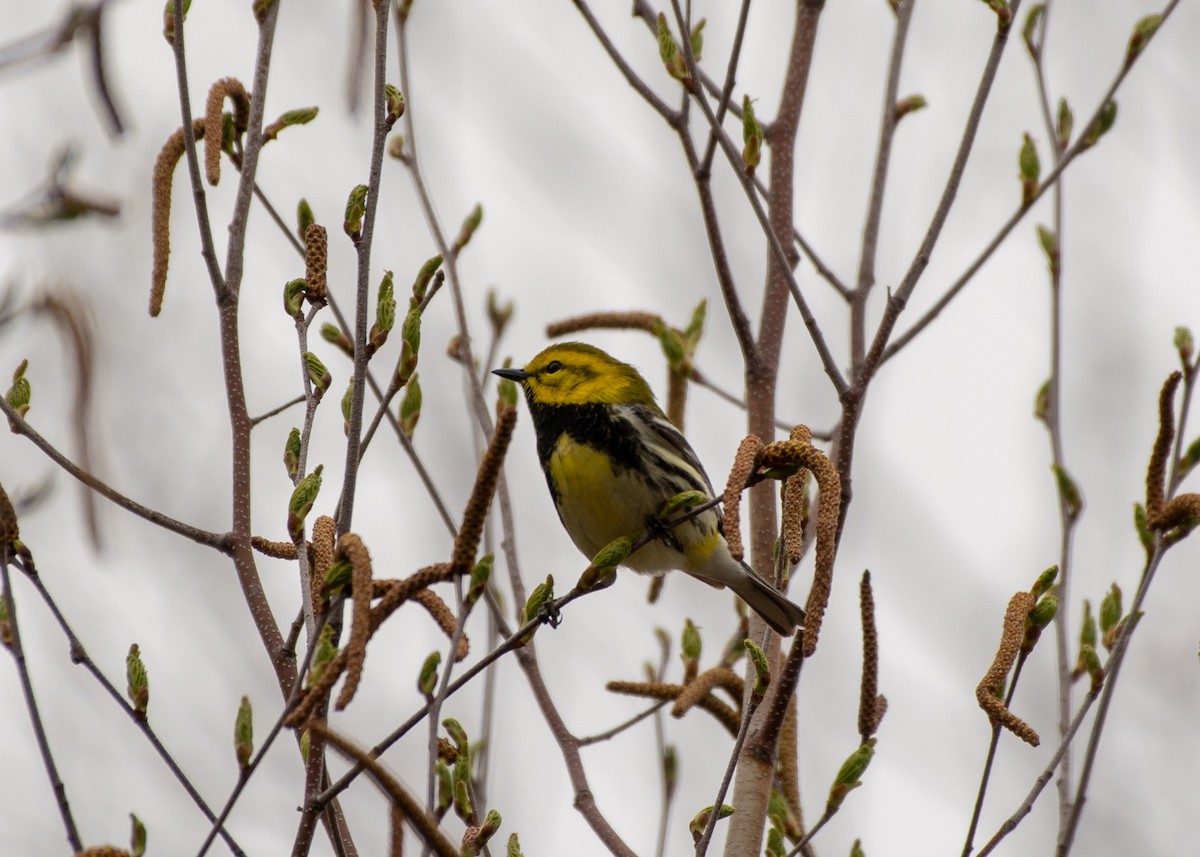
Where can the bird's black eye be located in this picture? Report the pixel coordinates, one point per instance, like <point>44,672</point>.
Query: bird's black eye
<point>552,367</point>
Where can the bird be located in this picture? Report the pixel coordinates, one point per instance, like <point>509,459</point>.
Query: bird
<point>612,459</point>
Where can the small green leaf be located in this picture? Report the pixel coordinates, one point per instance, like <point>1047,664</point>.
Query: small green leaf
<point>480,575</point>
<point>697,40</point>
<point>514,847</point>
<point>668,51</point>
<point>291,453</point>
<point>410,346</point>
<point>613,553</point>
<point>332,334</point>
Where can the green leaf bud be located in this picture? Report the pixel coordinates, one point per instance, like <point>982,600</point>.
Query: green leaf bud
<point>480,575</point>
<point>1065,123</point>
<point>20,392</point>
<point>293,297</point>
<point>394,104</point>
<point>697,40</point>
<point>669,53</point>
<point>356,207</point>
<point>291,453</point>
<point>1031,170</point>
<point>457,734</point>
<point>304,217</point>
<point>1045,580</point>
<point>339,575</point>
<point>1029,31</point>
<point>1143,31</point>
<point>428,678</point>
<point>301,502</point>
<point>410,407</point>
<point>541,597</point>
<point>1185,345</point>
<point>700,820</point>
<point>856,850</point>
<point>1068,491</point>
<point>849,777</point>
<point>326,652</point>
<point>1048,239</point>
<point>137,682</point>
<point>910,104</point>
<point>1142,525</point>
<point>1103,124</point>
<point>775,844</point>
<point>514,847</point>
<point>670,765</point>
<point>169,19</point>
<point>317,373</point>
<point>469,225</point>
<point>1087,628</point>
<point>332,334</point>
<point>752,137</point>
<point>445,792</point>
<point>243,733</point>
<point>762,669</point>
<point>424,276</point>
<point>499,314</point>
<point>690,643</point>
<point>673,346</point>
<point>137,836</point>
<point>410,347</point>
<point>491,823</point>
<point>1110,609</point>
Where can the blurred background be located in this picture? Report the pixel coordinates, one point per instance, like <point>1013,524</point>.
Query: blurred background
<point>588,205</point>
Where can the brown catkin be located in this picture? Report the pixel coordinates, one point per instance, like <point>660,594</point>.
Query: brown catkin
<point>869,687</point>
<point>988,690</point>
<point>633,320</point>
<point>160,210</point>
<point>316,257</point>
<point>743,466</point>
<point>829,485</point>
<point>324,537</point>
<point>444,617</point>
<point>1182,511</point>
<point>724,713</point>
<point>466,543</point>
<point>795,503</point>
<point>1156,473</point>
<point>10,530</point>
<point>351,548</point>
<point>214,122</point>
<point>703,684</point>
<point>275,550</point>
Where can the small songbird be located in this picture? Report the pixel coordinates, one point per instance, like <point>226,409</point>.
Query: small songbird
<point>612,460</point>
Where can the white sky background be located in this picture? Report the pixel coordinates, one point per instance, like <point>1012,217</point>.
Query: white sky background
<point>588,206</point>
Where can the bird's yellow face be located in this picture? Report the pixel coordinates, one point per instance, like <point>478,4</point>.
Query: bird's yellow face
<point>572,373</point>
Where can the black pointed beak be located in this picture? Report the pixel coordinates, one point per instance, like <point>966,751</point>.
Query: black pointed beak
<point>517,375</point>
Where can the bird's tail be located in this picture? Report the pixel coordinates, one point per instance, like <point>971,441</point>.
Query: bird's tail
<point>768,602</point>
